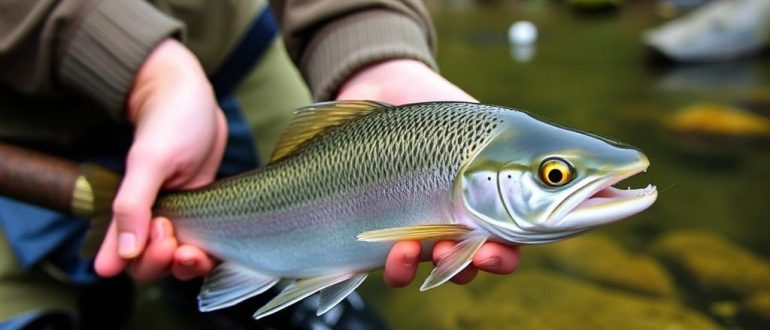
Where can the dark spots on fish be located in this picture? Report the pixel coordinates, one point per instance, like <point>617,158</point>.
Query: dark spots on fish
<point>489,178</point>
<point>509,176</point>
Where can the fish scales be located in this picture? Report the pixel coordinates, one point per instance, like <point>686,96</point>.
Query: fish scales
<point>393,167</point>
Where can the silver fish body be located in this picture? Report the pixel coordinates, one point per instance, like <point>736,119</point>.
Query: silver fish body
<point>300,217</point>
<point>328,211</point>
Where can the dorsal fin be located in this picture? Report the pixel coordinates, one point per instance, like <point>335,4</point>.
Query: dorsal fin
<point>314,119</point>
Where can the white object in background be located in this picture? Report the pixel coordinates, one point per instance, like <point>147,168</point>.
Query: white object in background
<point>721,30</point>
<point>522,33</point>
<point>522,36</point>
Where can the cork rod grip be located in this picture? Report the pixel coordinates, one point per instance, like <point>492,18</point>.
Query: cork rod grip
<point>37,178</point>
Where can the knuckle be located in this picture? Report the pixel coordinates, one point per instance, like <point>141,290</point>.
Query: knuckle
<point>124,209</point>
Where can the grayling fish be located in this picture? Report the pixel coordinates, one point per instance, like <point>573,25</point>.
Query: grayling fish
<point>350,178</point>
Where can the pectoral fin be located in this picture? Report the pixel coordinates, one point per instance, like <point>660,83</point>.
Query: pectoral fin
<point>230,284</point>
<point>456,260</point>
<point>297,291</point>
<point>419,232</point>
<point>332,295</point>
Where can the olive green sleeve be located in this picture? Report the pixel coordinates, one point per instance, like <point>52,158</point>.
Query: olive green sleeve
<point>331,40</point>
<point>84,47</point>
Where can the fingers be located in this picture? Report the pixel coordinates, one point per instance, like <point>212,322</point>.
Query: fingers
<point>191,262</point>
<point>440,250</point>
<point>163,254</point>
<point>401,264</point>
<point>108,263</point>
<point>497,258</point>
<point>132,205</point>
<point>493,257</point>
<point>156,260</point>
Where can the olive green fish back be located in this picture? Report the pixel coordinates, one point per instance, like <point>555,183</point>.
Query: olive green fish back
<point>366,152</point>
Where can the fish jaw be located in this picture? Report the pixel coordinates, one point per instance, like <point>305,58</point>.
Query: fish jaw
<point>599,203</point>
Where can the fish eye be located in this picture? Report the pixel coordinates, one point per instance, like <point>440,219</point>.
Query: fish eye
<point>556,172</point>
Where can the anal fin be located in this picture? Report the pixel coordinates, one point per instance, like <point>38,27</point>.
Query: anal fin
<point>453,262</point>
<point>297,291</point>
<point>229,284</point>
<point>334,294</point>
<point>419,232</point>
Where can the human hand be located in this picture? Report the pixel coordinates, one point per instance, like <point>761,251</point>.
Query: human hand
<point>409,81</point>
<point>492,257</point>
<point>179,139</point>
<point>164,254</point>
<point>399,82</point>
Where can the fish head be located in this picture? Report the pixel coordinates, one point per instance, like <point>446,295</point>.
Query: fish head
<point>535,182</point>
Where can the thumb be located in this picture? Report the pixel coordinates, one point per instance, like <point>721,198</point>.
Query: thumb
<point>132,207</point>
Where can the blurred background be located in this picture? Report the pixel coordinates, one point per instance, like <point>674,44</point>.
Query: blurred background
<point>687,82</point>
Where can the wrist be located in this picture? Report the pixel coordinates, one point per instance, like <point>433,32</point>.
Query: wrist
<point>104,46</point>
<point>170,65</point>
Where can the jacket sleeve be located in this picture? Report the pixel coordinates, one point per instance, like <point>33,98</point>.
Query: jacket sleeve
<point>329,39</point>
<point>86,47</point>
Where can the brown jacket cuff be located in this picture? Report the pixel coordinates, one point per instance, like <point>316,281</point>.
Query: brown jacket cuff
<point>104,54</point>
<point>347,45</point>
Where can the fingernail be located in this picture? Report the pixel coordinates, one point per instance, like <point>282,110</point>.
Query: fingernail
<point>490,262</point>
<point>126,244</point>
<point>188,262</point>
<point>409,259</point>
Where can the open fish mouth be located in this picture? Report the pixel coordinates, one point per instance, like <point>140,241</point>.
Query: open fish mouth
<point>599,202</point>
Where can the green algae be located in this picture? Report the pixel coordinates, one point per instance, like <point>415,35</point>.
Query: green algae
<point>602,260</point>
<point>537,299</point>
<point>714,265</point>
<point>757,306</point>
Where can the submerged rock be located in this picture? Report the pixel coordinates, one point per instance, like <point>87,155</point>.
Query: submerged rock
<point>757,308</point>
<point>535,299</point>
<point>673,8</point>
<point>712,264</point>
<point>602,260</point>
<point>717,131</point>
<point>721,30</point>
<point>719,121</point>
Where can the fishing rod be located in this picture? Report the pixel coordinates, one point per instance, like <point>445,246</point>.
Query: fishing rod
<point>54,183</point>
<point>84,190</point>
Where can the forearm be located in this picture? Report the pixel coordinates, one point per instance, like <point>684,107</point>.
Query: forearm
<point>29,37</point>
<point>91,48</point>
<point>332,40</point>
